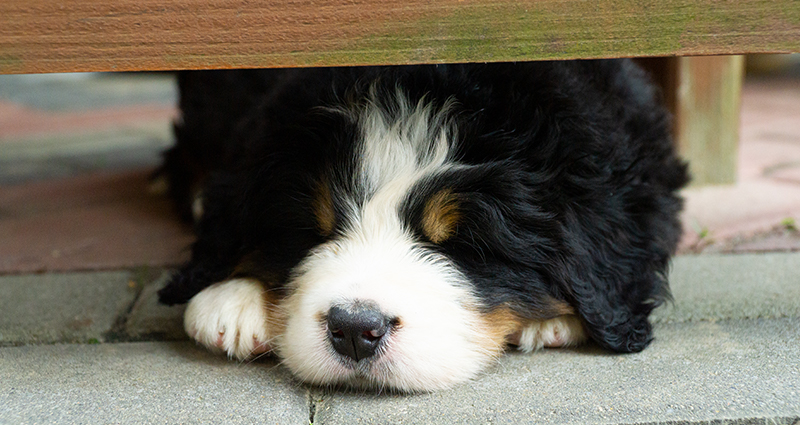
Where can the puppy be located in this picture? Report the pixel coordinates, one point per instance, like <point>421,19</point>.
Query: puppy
<point>399,227</point>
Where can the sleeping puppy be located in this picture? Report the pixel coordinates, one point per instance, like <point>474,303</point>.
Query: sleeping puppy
<point>399,227</point>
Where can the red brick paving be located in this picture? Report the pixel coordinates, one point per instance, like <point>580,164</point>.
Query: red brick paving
<point>20,123</point>
<point>768,187</point>
<point>98,221</point>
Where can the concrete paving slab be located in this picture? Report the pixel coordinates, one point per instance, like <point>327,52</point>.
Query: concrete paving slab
<point>728,352</point>
<point>770,136</point>
<point>742,286</point>
<point>733,372</point>
<point>150,320</point>
<point>773,241</point>
<point>784,237</point>
<point>72,307</point>
<point>143,383</point>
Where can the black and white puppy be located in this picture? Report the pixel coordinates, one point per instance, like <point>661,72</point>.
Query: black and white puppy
<point>398,227</point>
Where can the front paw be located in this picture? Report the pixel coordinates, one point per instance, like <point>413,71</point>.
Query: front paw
<point>562,331</point>
<point>231,316</point>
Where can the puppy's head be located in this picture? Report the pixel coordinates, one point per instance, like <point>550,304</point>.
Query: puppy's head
<point>392,298</point>
<point>402,262</point>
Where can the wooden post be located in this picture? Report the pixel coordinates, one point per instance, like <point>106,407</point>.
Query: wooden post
<point>707,100</point>
<point>703,93</point>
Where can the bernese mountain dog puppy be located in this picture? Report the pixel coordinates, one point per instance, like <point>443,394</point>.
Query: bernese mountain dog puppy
<point>399,227</point>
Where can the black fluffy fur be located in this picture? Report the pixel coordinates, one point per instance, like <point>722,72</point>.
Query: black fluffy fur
<point>570,191</point>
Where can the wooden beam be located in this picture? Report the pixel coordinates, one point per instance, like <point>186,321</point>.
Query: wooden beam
<point>128,35</point>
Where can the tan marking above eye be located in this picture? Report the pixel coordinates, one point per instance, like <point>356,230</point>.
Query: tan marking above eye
<point>323,209</point>
<point>441,216</point>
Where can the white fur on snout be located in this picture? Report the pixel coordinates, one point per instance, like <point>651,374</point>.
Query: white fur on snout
<point>440,340</point>
<point>561,331</point>
<point>231,316</point>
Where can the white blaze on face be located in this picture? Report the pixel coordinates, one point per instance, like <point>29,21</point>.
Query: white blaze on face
<point>440,338</point>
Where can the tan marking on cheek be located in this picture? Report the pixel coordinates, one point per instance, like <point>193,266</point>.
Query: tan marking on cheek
<point>502,322</point>
<point>504,326</point>
<point>440,216</point>
<point>496,326</point>
<point>323,209</point>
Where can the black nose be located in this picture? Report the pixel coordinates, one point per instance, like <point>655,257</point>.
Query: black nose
<point>356,331</point>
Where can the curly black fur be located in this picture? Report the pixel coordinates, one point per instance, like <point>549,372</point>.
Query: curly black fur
<point>568,189</point>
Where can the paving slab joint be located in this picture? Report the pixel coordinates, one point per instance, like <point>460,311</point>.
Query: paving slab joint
<point>315,400</point>
<point>141,277</point>
<point>732,421</point>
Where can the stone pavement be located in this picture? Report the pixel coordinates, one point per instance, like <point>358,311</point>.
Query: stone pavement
<point>726,352</point>
<point>76,151</point>
<point>104,220</point>
<point>748,216</point>
<point>84,245</point>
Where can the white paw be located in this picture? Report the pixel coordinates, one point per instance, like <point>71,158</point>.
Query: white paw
<point>561,331</point>
<point>230,316</point>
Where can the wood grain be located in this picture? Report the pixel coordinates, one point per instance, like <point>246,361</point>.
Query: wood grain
<point>128,35</point>
<point>708,100</point>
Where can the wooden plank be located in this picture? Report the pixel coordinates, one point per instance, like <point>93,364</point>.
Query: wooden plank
<point>126,35</point>
<point>707,102</point>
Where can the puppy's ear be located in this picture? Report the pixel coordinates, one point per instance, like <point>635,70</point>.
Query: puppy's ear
<point>615,312</point>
